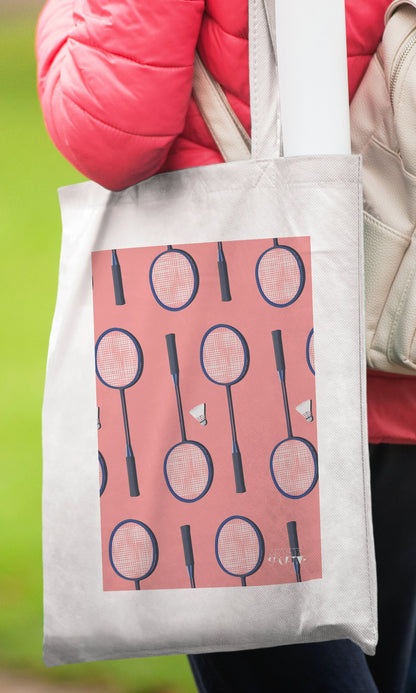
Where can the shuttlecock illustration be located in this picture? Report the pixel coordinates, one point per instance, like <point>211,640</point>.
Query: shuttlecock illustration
<point>198,412</point>
<point>305,409</point>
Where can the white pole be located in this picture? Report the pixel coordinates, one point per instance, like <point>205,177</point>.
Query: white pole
<point>313,78</point>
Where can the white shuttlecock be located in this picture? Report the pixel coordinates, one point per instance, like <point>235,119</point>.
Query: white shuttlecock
<point>305,408</point>
<point>198,412</point>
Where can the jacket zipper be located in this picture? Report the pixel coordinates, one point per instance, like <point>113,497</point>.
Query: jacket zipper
<point>399,62</point>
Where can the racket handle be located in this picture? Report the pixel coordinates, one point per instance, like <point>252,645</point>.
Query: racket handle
<point>117,280</point>
<point>278,350</point>
<point>173,354</point>
<point>224,281</point>
<point>187,544</point>
<point>293,538</point>
<point>238,473</point>
<point>188,552</point>
<point>294,548</point>
<point>132,474</point>
<point>223,275</point>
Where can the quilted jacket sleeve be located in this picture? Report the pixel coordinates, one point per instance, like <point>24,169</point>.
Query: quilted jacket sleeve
<point>365,25</point>
<point>114,79</point>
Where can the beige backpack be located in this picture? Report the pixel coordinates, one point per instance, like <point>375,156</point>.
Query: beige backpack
<point>383,130</point>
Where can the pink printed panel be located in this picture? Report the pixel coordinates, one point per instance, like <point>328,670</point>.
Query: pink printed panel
<point>226,494</point>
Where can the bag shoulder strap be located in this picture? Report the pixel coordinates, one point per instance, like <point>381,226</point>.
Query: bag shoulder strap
<point>229,134</point>
<point>227,131</point>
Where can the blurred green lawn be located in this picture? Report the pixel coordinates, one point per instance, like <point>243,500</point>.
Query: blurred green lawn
<point>31,170</point>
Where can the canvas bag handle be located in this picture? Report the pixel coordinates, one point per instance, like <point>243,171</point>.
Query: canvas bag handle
<point>227,131</point>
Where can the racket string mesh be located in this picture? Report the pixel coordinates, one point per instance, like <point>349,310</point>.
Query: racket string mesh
<point>117,359</point>
<point>132,551</point>
<point>173,279</point>
<point>279,275</point>
<point>238,547</point>
<point>223,356</point>
<point>187,470</point>
<point>293,467</point>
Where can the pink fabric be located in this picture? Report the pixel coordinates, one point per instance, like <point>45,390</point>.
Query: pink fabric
<point>115,79</point>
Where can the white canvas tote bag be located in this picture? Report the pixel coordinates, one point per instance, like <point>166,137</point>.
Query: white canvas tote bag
<point>206,481</point>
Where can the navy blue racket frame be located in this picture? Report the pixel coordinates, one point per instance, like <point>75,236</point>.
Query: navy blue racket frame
<point>174,370</point>
<point>308,358</point>
<point>281,368</point>
<point>195,272</point>
<point>301,267</point>
<point>153,539</point>
<point>236,454</point>
<point>130,461</point>
<point>104,473</point>
<point>260,537</point>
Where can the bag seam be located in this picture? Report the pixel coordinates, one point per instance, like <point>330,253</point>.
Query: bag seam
<point>360,259</point>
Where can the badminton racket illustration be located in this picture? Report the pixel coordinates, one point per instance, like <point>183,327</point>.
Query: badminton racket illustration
<point>188,467</point>
<point>117,280</point>
<point>223,274</point>
<point>224,359</point>
<point>239,547</point>
<point>174,279</point>
<point>294,548</point>
<point>119,365</point>
<point>133,551</point>
<point>280,275</point>
<point>103,473</point>
<point>188,552</point>
<point>310,351</point>
<point>293,462</point>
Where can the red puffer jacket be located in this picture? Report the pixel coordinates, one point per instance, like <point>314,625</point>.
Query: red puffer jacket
<point>115,79</point>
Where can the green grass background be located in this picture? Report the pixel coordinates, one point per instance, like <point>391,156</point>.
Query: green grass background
<point>31,170</point>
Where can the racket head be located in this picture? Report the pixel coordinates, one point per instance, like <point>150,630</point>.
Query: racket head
<point>224,355</point>
<point>174,279</point>
<point>239,546</point>
<point>133,550</point>
<point>103,475</point>
<point>280,275</point>
<point>310,351</point>
<point>118,358</point>
<point>188,471</point>
<point>294,467</point>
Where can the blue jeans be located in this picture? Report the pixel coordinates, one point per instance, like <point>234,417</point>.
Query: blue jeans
<point>340,666</point>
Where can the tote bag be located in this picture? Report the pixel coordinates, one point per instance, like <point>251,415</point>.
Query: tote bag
<point>206,481</point>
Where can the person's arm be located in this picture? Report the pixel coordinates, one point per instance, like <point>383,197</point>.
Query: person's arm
<point>114,80</point>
